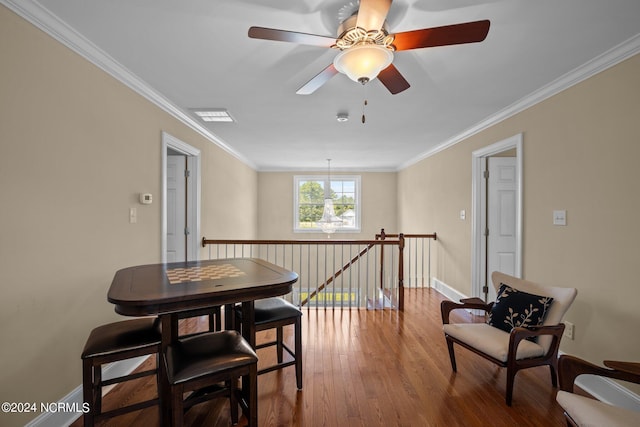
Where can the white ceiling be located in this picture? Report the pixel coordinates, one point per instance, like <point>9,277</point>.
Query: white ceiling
<point>196,53</point>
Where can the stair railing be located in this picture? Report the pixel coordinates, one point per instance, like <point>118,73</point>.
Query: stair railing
<point>332,273</point>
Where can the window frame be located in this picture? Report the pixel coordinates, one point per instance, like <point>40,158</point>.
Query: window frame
<point>296,204</point>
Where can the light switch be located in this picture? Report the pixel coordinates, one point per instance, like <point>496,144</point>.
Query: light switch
<point>560,217</point>
<point>463,214</point>
<point>133,215</point>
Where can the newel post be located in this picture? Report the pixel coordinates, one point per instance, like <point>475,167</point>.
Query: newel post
<point>401,272</point>
<point>382,237</point>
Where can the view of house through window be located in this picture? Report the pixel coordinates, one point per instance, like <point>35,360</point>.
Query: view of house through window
<point>309,201</point>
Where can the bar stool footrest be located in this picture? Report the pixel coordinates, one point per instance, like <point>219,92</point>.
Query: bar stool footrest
<point>205,394</point>
<point>125,378</point>
<point>126,409</point>
<point>276,367</point>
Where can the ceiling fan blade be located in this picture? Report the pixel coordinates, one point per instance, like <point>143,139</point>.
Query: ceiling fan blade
<point>372,13</point>
<point>321,78</point>
<point>469,32</point>
<point>290,36</point>
<point>391,78</point>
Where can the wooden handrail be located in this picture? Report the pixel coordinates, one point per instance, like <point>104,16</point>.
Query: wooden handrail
<point>383,236</point>
<point>206,242</point>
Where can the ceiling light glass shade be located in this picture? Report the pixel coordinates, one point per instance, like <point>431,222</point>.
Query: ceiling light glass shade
<point>329,221</point>
<point>363,61</point>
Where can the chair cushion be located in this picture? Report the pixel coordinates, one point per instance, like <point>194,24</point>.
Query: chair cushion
<point>491,341</point>
<point>562,299</point>
<point>206,354</point>
<point>273,309</point>
<point>122,336</point>
<point>589,412</point>
<point>515,308</point>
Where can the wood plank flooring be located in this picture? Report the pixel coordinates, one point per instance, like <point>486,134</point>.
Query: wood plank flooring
<point>373,368</point>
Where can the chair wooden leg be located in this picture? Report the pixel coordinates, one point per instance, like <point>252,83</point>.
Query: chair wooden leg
<point>97,394</point>
<point>511,376</point>
<point>452,355</point>
<point>279,338</point>
<point>177,406</point>
<point>298,346</point>
<point>253,396</point>
<point>233,400</point>
<point>553,367</point>
<point>158,386</point>
<point>88,391</point>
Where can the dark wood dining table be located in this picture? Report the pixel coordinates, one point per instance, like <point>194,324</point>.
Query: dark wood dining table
<point>169,290</point>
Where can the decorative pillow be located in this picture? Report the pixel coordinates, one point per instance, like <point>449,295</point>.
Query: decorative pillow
<point>516,308</point>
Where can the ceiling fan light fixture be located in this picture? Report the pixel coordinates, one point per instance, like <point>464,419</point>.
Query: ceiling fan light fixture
<point>363,62</point>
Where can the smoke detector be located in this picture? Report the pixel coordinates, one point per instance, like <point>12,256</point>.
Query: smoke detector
<point>342,117</point>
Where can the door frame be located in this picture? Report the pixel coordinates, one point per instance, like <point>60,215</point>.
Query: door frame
<point>477,234</point>
<point>193,195</point>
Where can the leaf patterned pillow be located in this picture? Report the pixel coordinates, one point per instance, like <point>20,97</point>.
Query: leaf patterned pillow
<point>516,308</point>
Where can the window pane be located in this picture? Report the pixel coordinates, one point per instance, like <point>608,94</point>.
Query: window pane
<point>311,192</point>
<point>310,201</point>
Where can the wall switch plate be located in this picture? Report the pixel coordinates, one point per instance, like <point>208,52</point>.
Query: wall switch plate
<point>133,215</point>
<point>463,214</point>
<point>569,330</point>
<point>560,217</point>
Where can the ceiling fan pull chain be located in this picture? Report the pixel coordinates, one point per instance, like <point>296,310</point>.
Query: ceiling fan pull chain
<point>364,104</point>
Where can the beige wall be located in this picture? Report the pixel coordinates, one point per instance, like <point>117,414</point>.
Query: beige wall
<point>275,202</point>
<point>77,148</point>
<point>581,149</point>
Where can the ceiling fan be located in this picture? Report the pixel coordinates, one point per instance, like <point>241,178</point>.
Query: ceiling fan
<point>366,47</point>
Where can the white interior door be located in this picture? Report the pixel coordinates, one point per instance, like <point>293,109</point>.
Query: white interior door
<point>501,218</point>
<point>189,206</point>
<point>479,263</point>
<point>176,209</point>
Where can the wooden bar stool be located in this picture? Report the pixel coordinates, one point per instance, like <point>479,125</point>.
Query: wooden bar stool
<point>276,313</point>
<point>111,343</point>
<point>200,363</point>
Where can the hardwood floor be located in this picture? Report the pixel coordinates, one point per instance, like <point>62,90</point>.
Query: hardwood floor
<point>374,368</point>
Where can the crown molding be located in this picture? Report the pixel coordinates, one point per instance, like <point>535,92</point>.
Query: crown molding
<point>598,64</point>
<point>45,20</point>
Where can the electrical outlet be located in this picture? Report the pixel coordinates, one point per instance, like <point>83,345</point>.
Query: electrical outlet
<point>569,330</point>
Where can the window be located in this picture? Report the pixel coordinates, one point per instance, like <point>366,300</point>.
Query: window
<point>309,193</point>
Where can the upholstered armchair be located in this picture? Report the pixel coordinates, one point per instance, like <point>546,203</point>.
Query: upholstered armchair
<point>523,330</point>
<point>581,411</point>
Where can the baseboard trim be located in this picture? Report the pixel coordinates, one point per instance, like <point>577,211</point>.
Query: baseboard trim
<point>446,290</point>
<point>74,399</point>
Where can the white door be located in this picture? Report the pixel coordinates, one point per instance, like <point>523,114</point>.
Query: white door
<point>501,217</point>
<point>176,209</point>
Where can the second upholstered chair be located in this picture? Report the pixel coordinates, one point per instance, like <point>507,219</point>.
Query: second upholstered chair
<point>581,411</point>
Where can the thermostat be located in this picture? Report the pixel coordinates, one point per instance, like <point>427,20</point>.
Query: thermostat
<point>146,198</point>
